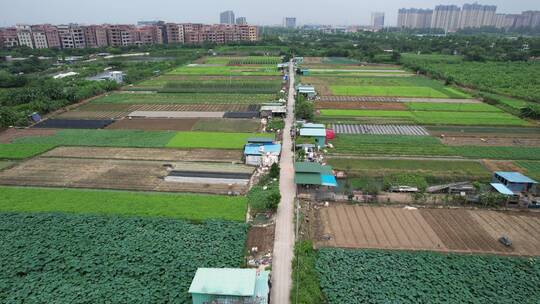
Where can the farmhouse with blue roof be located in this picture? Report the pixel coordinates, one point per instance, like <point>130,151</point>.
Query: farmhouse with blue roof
<point>511,183</point>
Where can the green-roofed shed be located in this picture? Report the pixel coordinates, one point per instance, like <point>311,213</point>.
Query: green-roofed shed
<point>308,173</point>
<point>260,140</point>
<point>309,167</point>
<point>229,285</point>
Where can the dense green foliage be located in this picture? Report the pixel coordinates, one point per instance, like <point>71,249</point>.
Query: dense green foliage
<point>264,195</point>
<point>54,258</point>
<point>306,286</point>
<point>102,138</point>
<point>20,151</point>
<point>179,205</point>
<point>518,79</point>
<point>212,140</point>
<point>405,179</point>
<point>372,276</point>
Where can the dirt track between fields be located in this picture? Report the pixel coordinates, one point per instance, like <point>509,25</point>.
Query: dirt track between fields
<point>445,230</point>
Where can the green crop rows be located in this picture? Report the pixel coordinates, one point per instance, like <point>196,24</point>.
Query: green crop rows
<point>222,86</point>
<point>425,146</point>
<point>226,71</point>
<point>20,151</point>
<point>396,91</point>
<point>264,60</point>
<point>211,140</point>
<point>55,258</point>
<point>186,98</point>
<point>372,276</point>
<point>433,167</point>
<point>451,107</point>
<point>436,117</point>
<point>179,205</point>
<point>103,138</point>
<point>142,139</point>
<point>533,168</point>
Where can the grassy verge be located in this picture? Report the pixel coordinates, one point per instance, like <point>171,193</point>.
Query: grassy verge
<point>306,286</point>
<point>180,206</point>
<point>21,151</point>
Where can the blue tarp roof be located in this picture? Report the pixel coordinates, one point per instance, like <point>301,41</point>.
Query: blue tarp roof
<point>515,177</point>
<point>502,189</point>
<point>328,180</point>
<point>254,149</point>
<point>313,132</point>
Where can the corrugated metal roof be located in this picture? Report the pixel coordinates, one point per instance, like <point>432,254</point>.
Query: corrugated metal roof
<point>274,109</point>
<point>224,281</point>
<point>255,149</point>
<point>302,178</point>
<point>502,189</point>
<point>515,177</point>
<point>312,132</point>
<point>260,140</point>
<point>313,126</point>
<point>309,167</point>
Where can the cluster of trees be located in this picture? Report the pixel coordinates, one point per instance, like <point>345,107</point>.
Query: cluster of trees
<point>26,86</point>
<point>371,46</point>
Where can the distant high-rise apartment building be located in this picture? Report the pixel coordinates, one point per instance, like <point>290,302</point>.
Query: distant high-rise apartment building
<point>227,17</point>
<point>289,22</point>
<point>24,34</point>
<point>95,36</point>
<point>532,18</point>
<point>377,20</point>
<point>476,15</point>
<point>173,33</point>
<point>446,17</point>
<point>9,38</point>
<point>414,18</point>
<point>241,20</point>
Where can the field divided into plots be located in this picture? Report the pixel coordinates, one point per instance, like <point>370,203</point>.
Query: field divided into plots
<point>446,230</point>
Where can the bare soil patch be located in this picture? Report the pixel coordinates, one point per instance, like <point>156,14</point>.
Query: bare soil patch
<point>360,105</point>
<point>204,155</point>
<point>111,174</point>
<point>262,238</point>
<point>10,134</point>
<point>446,230</point>
<point>168,124</point>
<point>494,165</point>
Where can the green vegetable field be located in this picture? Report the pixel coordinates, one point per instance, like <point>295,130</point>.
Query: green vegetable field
<point>184,98</point>
<point>373,276</point>
<point>20,151</point>
<point>396,91</point>
<point>103,138</point>
<point>179,205</point>
<point>532,168</point>
<point>62,258</point>
<point>433,167</point>
<point>451,107</point>
<point>226,70</point>
<point>211,140</point>
<point>435,117</point>
<point>222,86</point>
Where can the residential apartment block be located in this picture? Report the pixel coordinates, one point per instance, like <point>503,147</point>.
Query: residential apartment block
<point>118,35</point>
<point>414,18</point>
<point>377,20</point>
<point>452,18</point>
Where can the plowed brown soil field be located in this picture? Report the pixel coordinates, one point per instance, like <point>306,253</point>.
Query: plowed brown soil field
<point>446,230</point>
<point>8,135</point>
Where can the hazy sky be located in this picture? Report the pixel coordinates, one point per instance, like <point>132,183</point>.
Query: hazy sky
<point>207,11</point>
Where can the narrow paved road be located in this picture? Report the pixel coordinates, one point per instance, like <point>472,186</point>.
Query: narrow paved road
<point>284,235</point>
